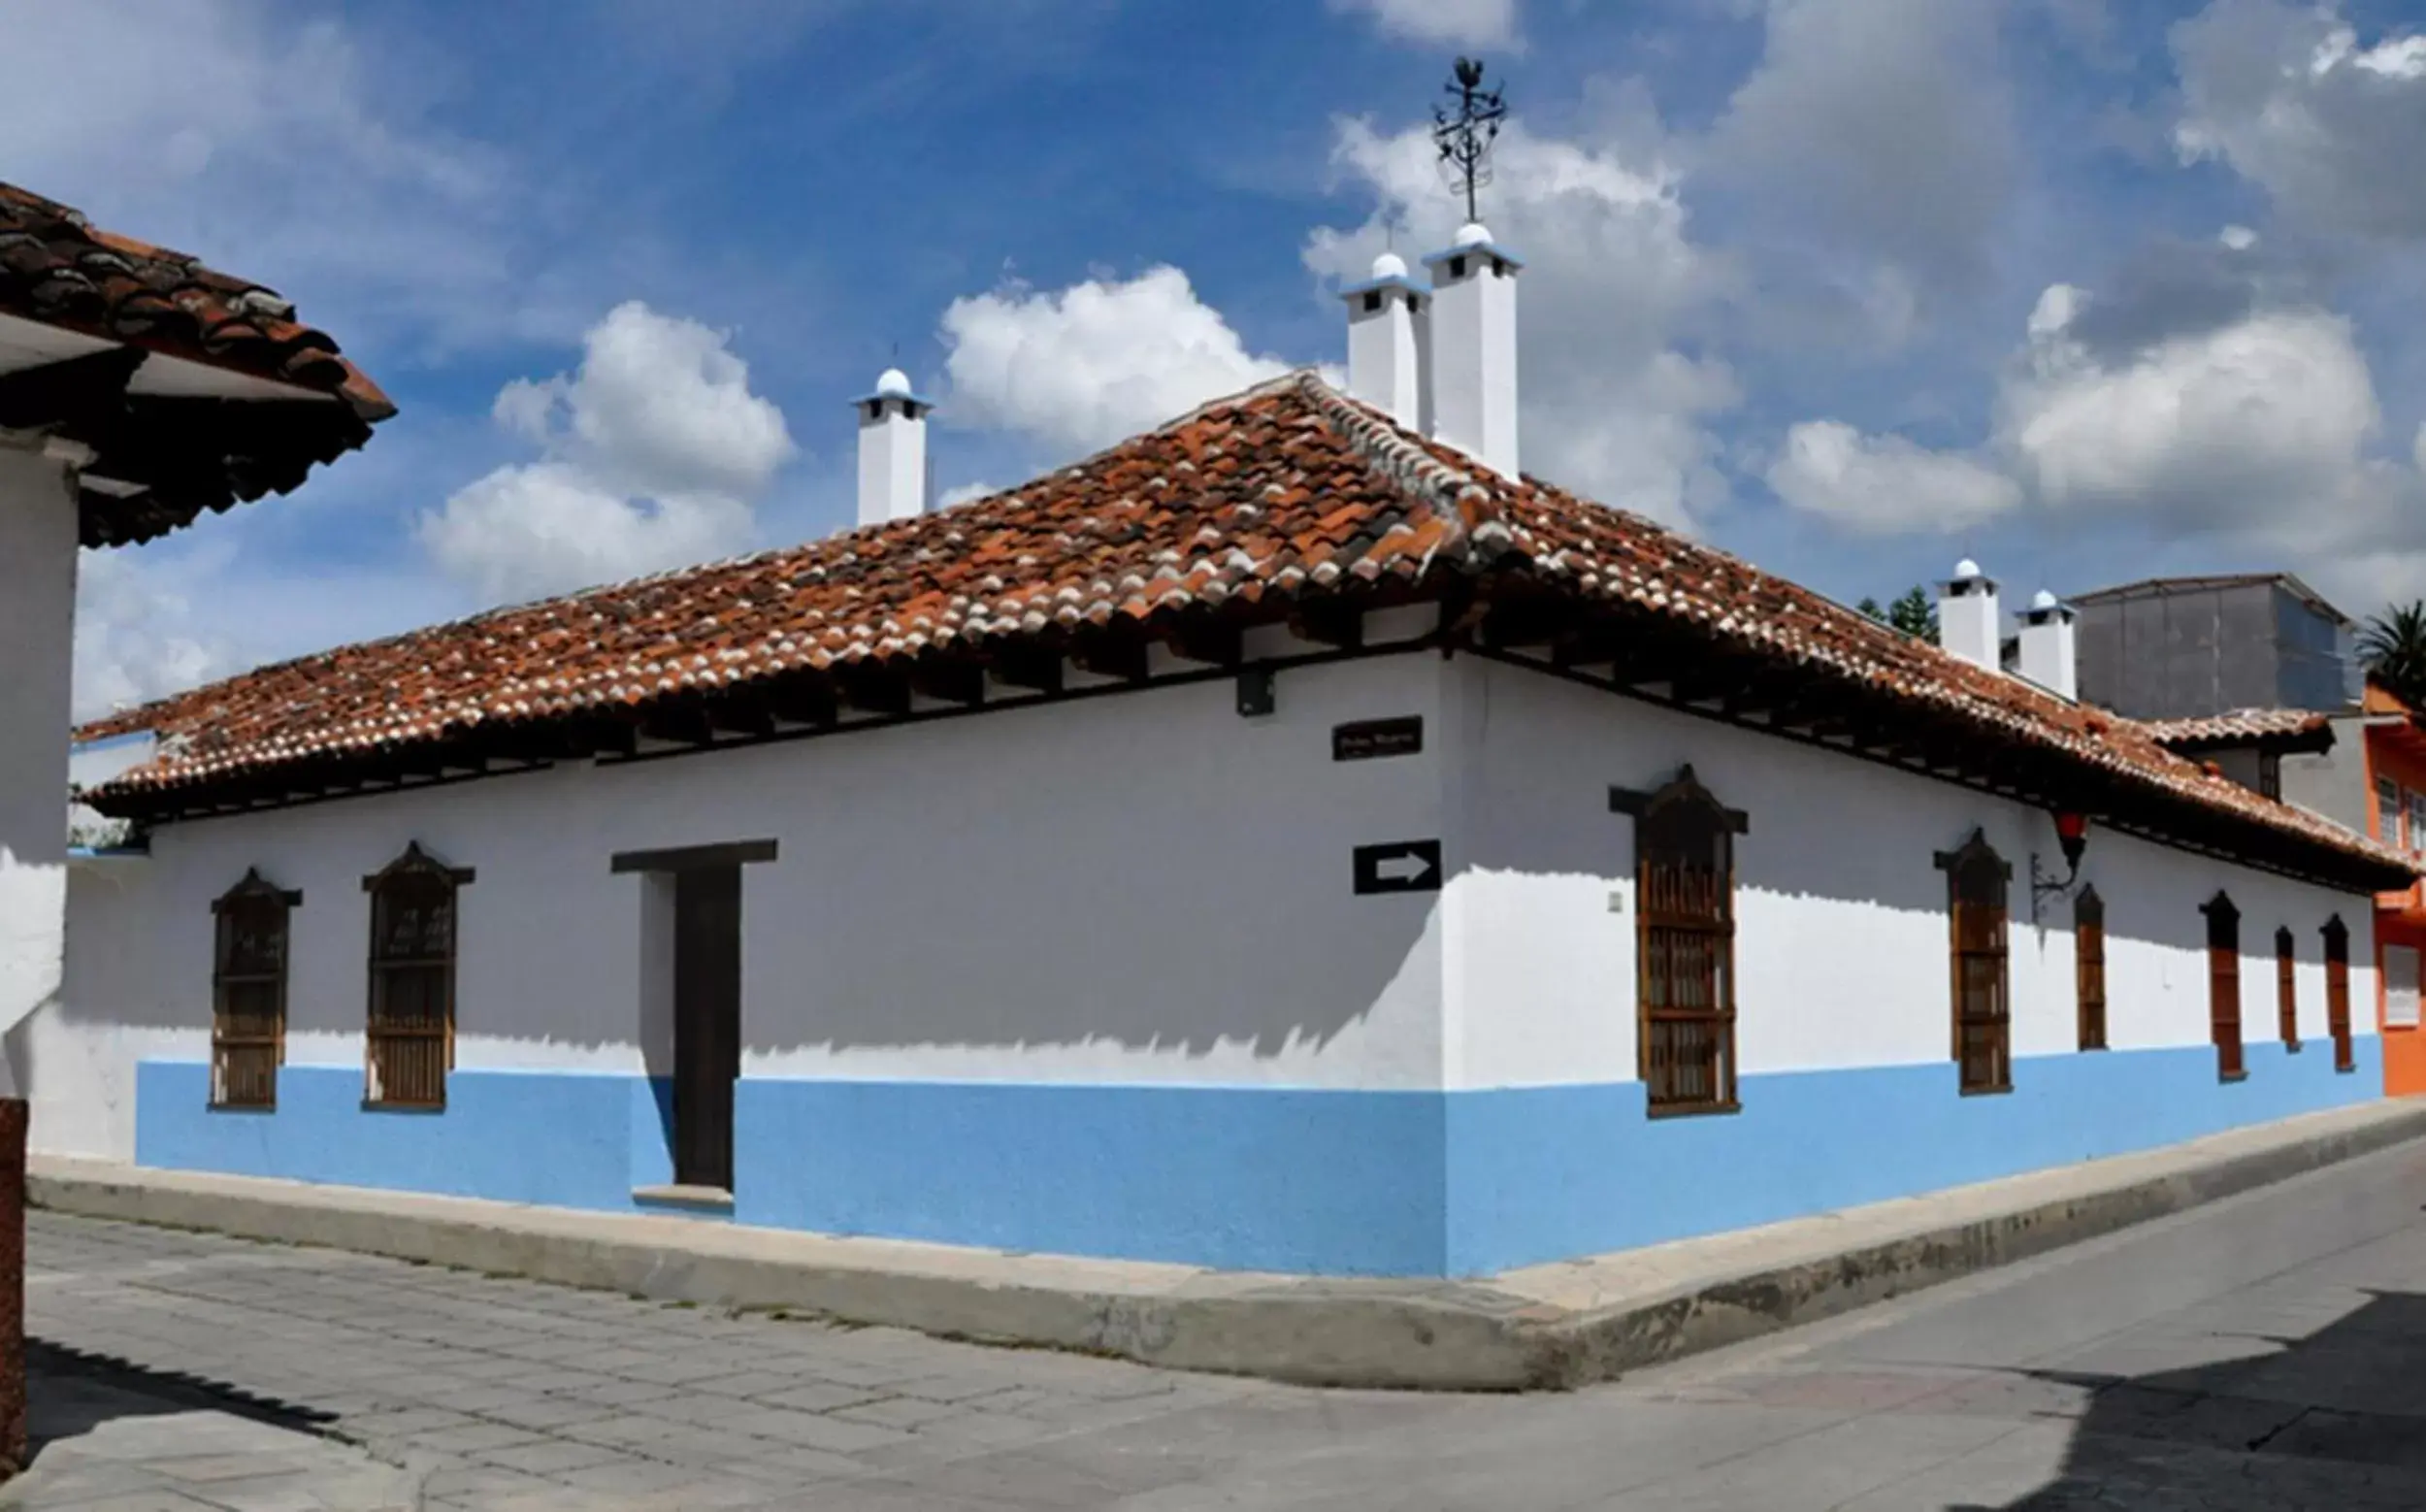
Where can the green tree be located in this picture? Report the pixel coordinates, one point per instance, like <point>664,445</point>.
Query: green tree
<point>1915,613</point>
<point>2393,647</point>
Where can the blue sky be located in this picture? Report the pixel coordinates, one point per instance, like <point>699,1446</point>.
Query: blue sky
<point>2086,288</point>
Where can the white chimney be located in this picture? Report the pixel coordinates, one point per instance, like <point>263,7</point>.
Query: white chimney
<point>891,450</point>
<point>1471,369</point>
<point>1967,617</point>
<point>1388,331</point>
<point>2047,657</point>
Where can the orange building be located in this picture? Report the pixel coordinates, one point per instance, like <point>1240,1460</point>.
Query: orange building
<point>2396,811</point>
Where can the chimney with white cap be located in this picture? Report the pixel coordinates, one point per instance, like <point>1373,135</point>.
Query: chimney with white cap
<point>1471,369</point>
<point>1388,329</point>
<point>891,450</point>
<point>1968,620</point>
<point>2047,656</point>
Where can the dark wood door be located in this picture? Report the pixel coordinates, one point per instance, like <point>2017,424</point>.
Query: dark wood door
<point>706,1022</point>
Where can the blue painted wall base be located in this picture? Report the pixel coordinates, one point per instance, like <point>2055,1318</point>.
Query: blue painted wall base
<point>1343,1183</point>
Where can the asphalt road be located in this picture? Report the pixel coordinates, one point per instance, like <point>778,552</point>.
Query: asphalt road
<point>2267,1351</point>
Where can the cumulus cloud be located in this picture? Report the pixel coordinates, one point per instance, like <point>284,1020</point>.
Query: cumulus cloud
<point>1612,403</point>
<point>1086,366</point>
<point>1462,23</point>
<point>136,634</point>
<point>1887,484</point>
<point>2293,100</point>
<point>652,453</point>
<point>2260,431</point>
<point>2233,424</point>
<point>1882,127</point>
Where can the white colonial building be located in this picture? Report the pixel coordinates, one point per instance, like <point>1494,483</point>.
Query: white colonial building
<point>1292,839</point>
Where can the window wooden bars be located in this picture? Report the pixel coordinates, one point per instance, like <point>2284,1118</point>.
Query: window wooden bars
<point>2338,992</point>
<point>249,991</point>
<point>1976,879</point>
<point>2088,955</point>
<point>2224,985</point>
<point>409,1027</point>
<point>2286,991</point>
<point>1685,946</point>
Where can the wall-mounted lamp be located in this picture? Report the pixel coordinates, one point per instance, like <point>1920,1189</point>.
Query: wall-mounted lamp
<point>2072,837</point>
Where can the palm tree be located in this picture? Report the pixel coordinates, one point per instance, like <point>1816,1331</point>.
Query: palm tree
<point>2393,647</point>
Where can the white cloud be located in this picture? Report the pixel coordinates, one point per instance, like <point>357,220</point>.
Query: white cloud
<point>2290,99</point>
<point>1883,127</point>
<point>2258,434</point>
<point>2238,424</point>
<point>652,453</point>
<point>1887,484</point>
<point>2239,239</point>
<point>136,636</point>
<point>1460,23</point>
<point>965,493</point>
<point>1095,362</point>
<point>1610,405</point>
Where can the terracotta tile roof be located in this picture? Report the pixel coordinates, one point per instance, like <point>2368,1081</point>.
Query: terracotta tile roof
<point>57,270</point>
<point>1249,509</point>
<point>2272,727</point>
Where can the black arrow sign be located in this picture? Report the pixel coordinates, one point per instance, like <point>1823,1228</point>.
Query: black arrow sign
<point>1399,866</point>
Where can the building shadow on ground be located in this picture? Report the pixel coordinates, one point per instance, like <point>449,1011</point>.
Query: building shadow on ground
<point>2335,1419</point>
<point>72,1391</point>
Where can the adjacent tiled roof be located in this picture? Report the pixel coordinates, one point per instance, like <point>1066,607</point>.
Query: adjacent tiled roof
<point>2274,726</point>
<point>1249,508</point>
<point>56,269</point>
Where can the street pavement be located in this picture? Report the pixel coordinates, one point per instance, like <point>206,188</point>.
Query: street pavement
<point>2266,1352</point>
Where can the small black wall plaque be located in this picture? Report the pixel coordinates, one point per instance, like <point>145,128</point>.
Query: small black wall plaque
<point>1368,739</point>
<point>1399,866</point>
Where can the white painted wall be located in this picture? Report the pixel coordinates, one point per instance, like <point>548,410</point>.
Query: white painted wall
<point>1139,888</point>
<point>38,532</point>
<point>1841,930</point>
<point>1148,889</point>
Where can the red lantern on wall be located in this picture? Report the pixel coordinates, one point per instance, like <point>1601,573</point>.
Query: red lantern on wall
<point>2071,832</point>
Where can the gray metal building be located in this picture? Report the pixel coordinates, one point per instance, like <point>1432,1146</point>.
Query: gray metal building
<point>2182,648</point>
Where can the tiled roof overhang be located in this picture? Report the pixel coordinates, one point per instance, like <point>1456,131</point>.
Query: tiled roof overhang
<point>184,389</point>
<point>2278,730</point>
<point>1290,504</point>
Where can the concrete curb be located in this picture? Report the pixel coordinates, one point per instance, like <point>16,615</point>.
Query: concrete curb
<point>1550,1327</point>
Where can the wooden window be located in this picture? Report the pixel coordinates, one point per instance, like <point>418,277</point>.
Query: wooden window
<point>2286,991</point>
<point>1976,881</point>
<point>411,1032</point>
<point>1685,944</point>
<point>2270,775</point>
<point>248,993</point>
<point>2417,823</point>
<point>2388,808</point>
<point>2088,966</point>
<point>2223,984</point>
<point>2338,992</point>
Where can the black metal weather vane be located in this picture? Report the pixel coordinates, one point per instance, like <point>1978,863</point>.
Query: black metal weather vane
<point>1465,133</point>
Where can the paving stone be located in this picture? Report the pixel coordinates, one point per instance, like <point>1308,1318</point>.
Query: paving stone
<point>895,1412</point>
<point>822,1397</point>
<point>547,1457</point>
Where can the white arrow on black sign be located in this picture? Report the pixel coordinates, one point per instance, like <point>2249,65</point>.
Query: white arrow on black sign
<point>1399,866</point>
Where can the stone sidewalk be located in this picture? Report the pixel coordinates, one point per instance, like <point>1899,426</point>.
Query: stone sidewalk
<point>2266,1353</point>
<point>493,1392</point>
